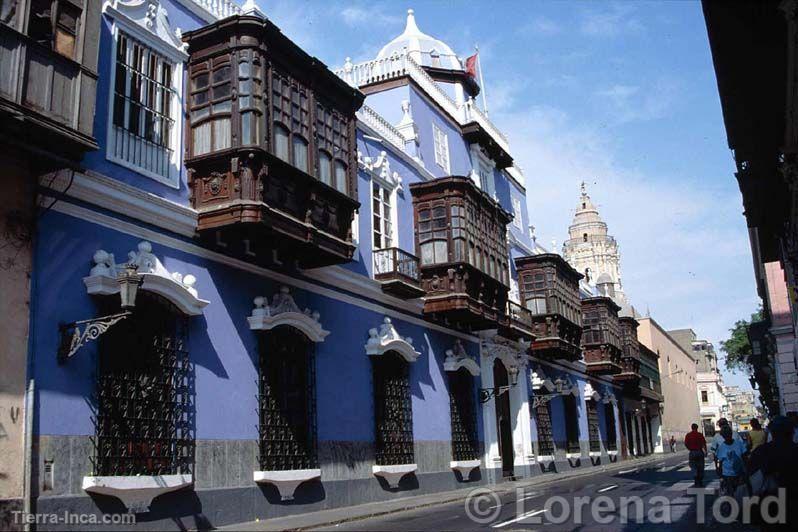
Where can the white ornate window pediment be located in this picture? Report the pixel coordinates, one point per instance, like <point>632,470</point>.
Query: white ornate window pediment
<point>591,393</point>
<point>380,169</point>
<point>512,354</point>
<point>540,382</point>
<point>457,358</point>
<point>608,398</point>
<point>284,311</point>
<point>148,21</point>
<point>386,338</point>
<point>173,286</point>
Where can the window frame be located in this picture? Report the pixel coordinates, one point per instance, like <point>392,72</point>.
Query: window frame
<point>178,59</point>
<point>440,147</point>
<point>392,203</point>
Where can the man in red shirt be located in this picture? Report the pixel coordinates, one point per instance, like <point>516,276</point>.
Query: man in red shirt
<point>697,445</point>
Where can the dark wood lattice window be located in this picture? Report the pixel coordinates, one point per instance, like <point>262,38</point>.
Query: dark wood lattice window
<point>545,434</point>
<point>292,121</point>
<point>211,105</point>
<point>571,424</point>
<point>612,437</point>
<point>144,424</point>
<point>393,410</point>
<point>287,401</point>
<point>593,425</point>
<point>464,416</point>
<point>332,142</point>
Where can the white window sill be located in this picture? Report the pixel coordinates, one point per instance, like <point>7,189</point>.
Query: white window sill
<point>465,467</point>
<point>594,454</point>
<point>573,456</point>
<point>545,458</point>
<point>286,481</point>
<point>393,473</point>
<point>136,491</point>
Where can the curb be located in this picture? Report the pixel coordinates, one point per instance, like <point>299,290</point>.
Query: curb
<point>458,495</point>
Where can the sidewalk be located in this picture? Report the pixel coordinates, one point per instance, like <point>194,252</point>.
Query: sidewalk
<point>364,511</point>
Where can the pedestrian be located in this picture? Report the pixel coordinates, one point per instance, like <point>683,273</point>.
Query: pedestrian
<point>673,443</point>
<point>730,455</point>
<point>773,467</point>
<point>697,445</point>
<point>756,434</point>
<point>717,439</point>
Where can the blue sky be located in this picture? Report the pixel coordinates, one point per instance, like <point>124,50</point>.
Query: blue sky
<point>621,95</point>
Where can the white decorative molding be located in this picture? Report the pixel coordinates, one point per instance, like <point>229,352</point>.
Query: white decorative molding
<point>407,127</point>
<point>465,467</point>
<point>136,492</point>
<point>457,358</point>
<point>381,126</point>
<point>512,354</point>
<point>286,482</point>
<point>212,10</point>
<point>173,286</point>
<point>539,381</point>
<point>594,454</point>
<point>545,458</point>
<point>609,398</point>
<point>284,311</point>
<point>393,473</point>
<point>590,393</point>
<point>612,453</point>
<point>572,456</point>
<point>387,339</point>
<point>380,168</point>
<point>148,21</point>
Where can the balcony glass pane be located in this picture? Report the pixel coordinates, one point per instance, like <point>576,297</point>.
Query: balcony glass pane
<point>340,177</point>
<point>281,142</point>
<point>325,171</point>
<point>300,153</point>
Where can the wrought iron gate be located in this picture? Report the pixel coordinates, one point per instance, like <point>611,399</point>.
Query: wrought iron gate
<point>545,435</point>
<point>464,416</point>
<point>393,410</point>
<point>593,425</point>
<point>144,422</point>
<point>612,435</point>
<point>287,401</point>
<point>571,424</point>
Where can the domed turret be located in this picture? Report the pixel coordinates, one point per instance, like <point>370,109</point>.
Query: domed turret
<point>424,49</point>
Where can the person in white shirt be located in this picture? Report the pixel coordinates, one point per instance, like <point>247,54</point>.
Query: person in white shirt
<point>718,439</point>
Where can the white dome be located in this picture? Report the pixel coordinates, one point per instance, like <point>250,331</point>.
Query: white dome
<point>424,49</point>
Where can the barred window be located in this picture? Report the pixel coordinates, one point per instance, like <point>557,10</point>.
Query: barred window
<point>144,110</point>
<point>441,141</point>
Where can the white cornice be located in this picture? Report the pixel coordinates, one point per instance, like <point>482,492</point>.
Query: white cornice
<point>148,21</point>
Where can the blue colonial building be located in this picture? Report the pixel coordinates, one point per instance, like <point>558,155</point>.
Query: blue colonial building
<point>264,287</point>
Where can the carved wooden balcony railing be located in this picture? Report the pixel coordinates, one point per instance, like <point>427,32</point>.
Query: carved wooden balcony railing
<point>461,240</point>
<point>549,288</point>
<point>630,357</point>
<point>271,146</point>
<point>518,322</point>
<point>601,336</point>
<point>397,271</point>
<point>47,97</point>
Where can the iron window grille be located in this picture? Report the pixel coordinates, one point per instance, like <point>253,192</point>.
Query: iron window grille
<point>287,401</point>
<point>463,415</point>
<point>393,411</point>
<point>545,433</point>
<point>593,425</point>
<point>144,418</point>
<point>571,424</point>
<point>612,437</point>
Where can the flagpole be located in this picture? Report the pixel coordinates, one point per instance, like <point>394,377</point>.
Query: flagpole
<point>481,82</point>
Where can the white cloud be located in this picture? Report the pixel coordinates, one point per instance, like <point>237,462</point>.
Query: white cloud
<point>374,15</point>
<point>630,103</point>
<point>541,25</point>
<point>615,20</point>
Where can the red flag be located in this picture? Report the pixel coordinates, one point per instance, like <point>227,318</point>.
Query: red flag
<point>471,65</point>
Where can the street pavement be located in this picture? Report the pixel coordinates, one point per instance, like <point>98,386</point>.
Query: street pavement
<point>657,495</point>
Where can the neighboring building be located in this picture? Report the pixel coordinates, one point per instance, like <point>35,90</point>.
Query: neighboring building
<point>651,392</point>
<point>677,370</point>
<point>590,250</point>
<point>299,287</point>
<point>742,407</point>
<point>48,72</point>
<point>711,396</point>
<point>753,51</point>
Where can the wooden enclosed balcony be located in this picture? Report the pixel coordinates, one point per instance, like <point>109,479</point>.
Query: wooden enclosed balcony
<point>549,289</point>
<point>397,271</point>
<point>601,336</point>
<point>48,76</point>
<point>630,357</point>
<point>461,240</point>
<point>518,322</point>
<point>271,147</point>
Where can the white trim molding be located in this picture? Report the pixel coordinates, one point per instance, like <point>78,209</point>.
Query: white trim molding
<point>285,311</point>
<point>573,456</point>
<point>393,473</point>
<point>545,458</point>
<point>590,393</point>
<point>465,467</point>
<point>512,354</point>
<point>287,481</point>
<point>539,381</point>
<point>175,287</point>
<point>147,20</point>
<point>136,492</point>
<point>457,358</point>
<point>387,339</point>
<point>380,170</point>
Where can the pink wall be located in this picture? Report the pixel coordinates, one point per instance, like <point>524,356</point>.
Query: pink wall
<point>778,294</point>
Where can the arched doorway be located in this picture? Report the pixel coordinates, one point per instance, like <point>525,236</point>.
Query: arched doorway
<point>465,445</point>
<point>144,422</point>
<point>287,405</point>
<point>393,410</point>
<point>504,423</point>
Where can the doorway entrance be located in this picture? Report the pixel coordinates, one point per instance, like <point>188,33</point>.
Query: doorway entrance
<point>504,424</point>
